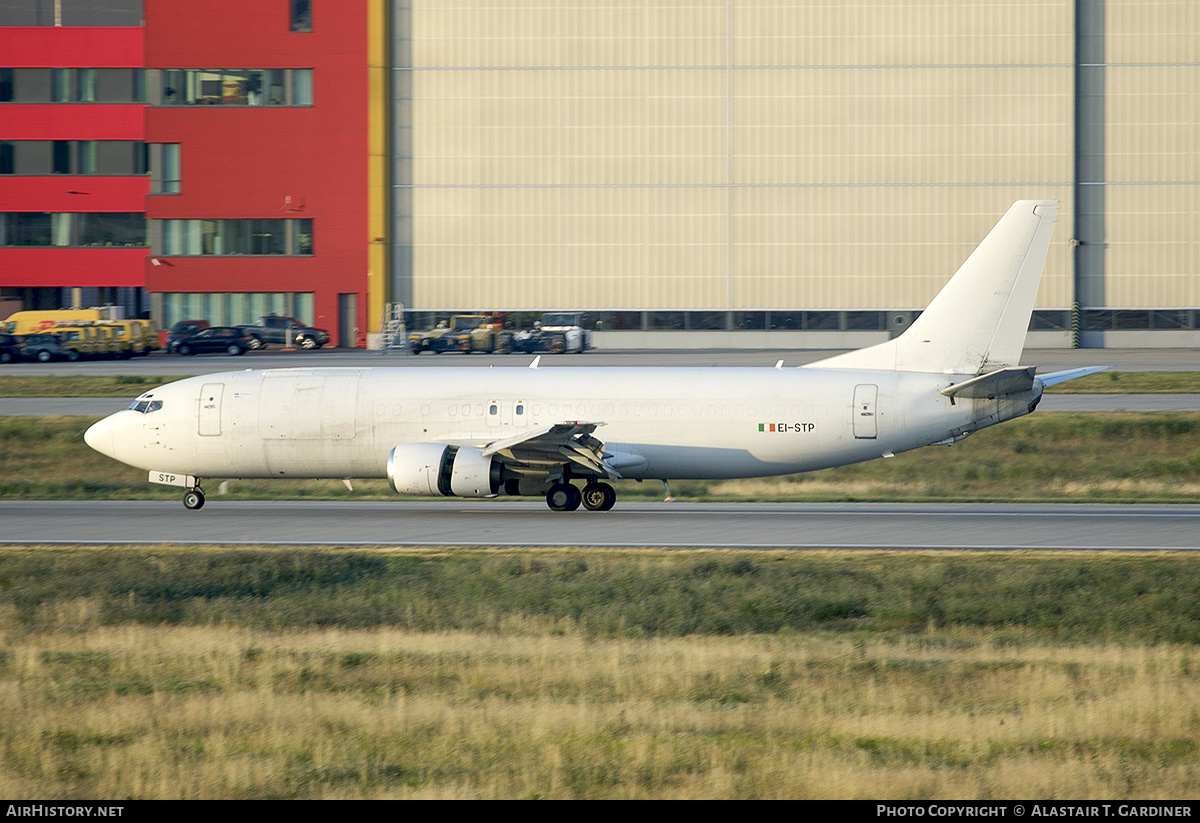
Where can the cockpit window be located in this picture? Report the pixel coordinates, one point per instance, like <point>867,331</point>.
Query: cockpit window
<point>145,406</point>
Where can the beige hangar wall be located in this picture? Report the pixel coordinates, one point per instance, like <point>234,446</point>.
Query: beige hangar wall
<point>737,155</point>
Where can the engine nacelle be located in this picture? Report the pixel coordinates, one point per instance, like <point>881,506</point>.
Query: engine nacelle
<point>436,469</point>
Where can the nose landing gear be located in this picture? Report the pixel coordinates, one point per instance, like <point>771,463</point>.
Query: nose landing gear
<point>194,498</point>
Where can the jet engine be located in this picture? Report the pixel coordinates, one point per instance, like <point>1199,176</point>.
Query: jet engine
<point>436,469</point>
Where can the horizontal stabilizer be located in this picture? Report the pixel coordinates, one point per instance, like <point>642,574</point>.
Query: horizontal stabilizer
<point>1069,374</point>
<point>994,384</point>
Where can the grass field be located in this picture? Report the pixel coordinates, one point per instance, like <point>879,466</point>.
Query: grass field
<point>168,672</point>
<point>162,672</point>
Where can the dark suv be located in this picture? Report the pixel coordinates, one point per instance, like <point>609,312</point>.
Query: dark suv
<point>274,330</point>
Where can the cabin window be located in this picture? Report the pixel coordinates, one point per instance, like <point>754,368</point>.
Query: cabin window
<point>145,406</point>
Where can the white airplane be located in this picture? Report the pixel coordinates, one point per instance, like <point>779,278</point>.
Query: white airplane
<point>483,432</point>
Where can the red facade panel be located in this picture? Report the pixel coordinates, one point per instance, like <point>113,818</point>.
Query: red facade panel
<point>66,268</point>
<point>267,162</point>
<point>51,47</point>
<point>47,47</point>
<point>72,121</point>
<point>66,193</point>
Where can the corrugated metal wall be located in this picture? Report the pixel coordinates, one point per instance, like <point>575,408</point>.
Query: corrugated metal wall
<point>744,155</point>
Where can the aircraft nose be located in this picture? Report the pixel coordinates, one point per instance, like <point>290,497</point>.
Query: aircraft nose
<point>100,436</point>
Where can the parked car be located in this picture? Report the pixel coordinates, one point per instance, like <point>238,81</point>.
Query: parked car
<point>275,330</point>
<point>44,348</point>
<point>10,348</point>
<point>182,329</point>
<point>216,339</point>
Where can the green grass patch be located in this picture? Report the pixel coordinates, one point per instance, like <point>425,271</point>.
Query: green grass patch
<point>80,385</point>
<point>1132,382</point>
<point>1065,597</point>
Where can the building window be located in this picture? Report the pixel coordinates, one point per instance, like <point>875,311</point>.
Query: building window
<point>71,13</point>
<point>114,158</point>
<point>72,85</point>
<point>301,15</point>
<point>233,309</point>
<point>164,168</point>
<point>235,238</point>
<point>236,87</point>
<point>73,229</point>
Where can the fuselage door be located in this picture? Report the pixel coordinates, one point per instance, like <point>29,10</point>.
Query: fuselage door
<point>209,421</point>
<point>864,411</point>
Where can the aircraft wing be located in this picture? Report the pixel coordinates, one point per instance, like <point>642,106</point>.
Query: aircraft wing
<point>568,442</point>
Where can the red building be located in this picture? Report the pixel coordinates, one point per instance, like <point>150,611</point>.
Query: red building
<point>72,161</point>
<point>257,142</point>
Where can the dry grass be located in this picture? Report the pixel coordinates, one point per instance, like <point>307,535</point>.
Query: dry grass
<point>543,711</point>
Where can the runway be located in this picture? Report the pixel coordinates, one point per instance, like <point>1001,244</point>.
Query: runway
<point>631,525</point>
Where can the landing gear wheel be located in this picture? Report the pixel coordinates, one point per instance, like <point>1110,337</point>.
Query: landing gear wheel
<point>599,497</point>
<point>193,499</point>
<point>563,497</point>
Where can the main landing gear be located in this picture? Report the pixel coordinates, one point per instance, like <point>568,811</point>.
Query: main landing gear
<point>596,497</point>
<point>194,498</point>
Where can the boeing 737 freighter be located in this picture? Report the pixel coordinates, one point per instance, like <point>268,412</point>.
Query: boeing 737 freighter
<point>562,433</point>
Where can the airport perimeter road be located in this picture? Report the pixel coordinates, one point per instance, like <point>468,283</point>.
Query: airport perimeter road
<point>497,523</point>
<point>172,365</point>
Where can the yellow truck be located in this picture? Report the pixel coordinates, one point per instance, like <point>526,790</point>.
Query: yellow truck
<point>32,322</point>
<point>109,338</point>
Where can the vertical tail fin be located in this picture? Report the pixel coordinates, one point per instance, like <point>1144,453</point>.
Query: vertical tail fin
<point>978,321</point>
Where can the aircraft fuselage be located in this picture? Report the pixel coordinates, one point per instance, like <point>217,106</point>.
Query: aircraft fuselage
<point>684,423</point>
